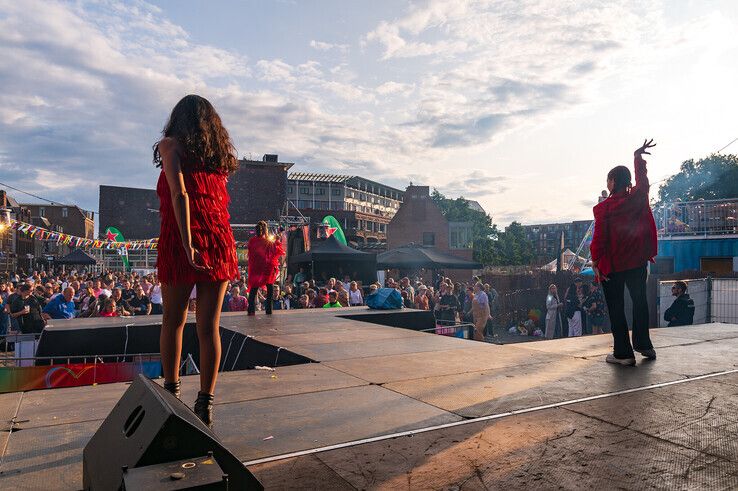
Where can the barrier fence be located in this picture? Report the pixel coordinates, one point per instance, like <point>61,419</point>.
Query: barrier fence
<point>715,299</point>
<point>20,370</point>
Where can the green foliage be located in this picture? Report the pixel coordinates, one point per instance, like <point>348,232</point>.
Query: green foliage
<point>714,177</point>
<point>491,246</point>
<point>515,248</point>
<point>457,210</point>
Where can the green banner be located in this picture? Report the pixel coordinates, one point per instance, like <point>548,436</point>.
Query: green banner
<point>333,227</point>
<point>114,235</point>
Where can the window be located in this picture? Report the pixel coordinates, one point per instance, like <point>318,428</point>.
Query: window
<point>65,212</point>
<point>429,239</point>
<point>290,190</point>
<point>320,191</point>
<point>304,190</point>
<point>337,192</point>
<point>41,211</point>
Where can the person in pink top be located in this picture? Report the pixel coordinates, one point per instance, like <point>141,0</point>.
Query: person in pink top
<point>238,302</point>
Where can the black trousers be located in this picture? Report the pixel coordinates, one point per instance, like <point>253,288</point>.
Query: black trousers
<point>269,299</point>
<point>614,288</point>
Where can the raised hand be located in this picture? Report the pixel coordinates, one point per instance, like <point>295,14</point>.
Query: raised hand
<point>644,149</point>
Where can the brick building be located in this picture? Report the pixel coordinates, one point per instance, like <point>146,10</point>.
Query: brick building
<point>546,238</point>
<point>257,191</point>
<point>419,221</point>
<point>363,207</point>
<point>133,211</point>
<point>69,219</point>
<point>16,248</point>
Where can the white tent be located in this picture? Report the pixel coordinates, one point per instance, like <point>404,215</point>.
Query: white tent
<point>570,257</point>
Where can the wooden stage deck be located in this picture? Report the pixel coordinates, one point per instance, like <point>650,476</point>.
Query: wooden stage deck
<point>389,408</point>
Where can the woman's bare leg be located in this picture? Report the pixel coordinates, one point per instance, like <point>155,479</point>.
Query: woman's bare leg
<point>176,299</point>
<point>209,301</point>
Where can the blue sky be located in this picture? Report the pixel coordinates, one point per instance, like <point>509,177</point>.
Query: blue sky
<point>523,106</point>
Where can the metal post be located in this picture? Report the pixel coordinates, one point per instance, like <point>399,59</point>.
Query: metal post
<point>708,314</point>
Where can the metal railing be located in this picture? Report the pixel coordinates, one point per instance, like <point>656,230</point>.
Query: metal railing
<point>462,330</point>
<point>695,218</point>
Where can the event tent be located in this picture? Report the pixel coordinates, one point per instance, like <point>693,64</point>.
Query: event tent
<point>77,257</point>
<point>570,257</point>
<point>336,259</point>
<point>415,257</point>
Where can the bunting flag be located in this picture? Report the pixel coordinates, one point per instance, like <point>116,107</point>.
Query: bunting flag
<point>40,233</point>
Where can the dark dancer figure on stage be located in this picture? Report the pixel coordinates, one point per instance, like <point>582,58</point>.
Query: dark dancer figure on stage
<point>264,253</point>
<point>624,241</point>
<point>196,245</point>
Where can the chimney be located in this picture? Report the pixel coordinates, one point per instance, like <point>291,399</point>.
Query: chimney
<point>268,157</point>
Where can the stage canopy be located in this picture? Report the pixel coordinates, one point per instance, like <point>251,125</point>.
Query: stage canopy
<point>77,257</point>
<point>331,258</point>
<point>414,257</point>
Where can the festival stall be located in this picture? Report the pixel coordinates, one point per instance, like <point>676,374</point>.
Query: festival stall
<point>77,257</point>
<point>412,257</point>
<point>331,258</point>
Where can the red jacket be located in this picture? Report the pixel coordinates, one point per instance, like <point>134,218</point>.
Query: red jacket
<point>264,257</point>
<point>624,231</point>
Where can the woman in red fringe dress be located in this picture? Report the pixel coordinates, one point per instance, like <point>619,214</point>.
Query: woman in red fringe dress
<point>264,253</point>
<point>196,245</point>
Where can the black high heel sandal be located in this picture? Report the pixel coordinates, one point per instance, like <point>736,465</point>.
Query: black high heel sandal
<point>204,408</point>
<point>173,387</point>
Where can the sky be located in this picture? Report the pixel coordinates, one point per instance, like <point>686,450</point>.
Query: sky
<point>522,105</point>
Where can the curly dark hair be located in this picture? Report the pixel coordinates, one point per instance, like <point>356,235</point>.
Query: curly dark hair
<point>196,125</point>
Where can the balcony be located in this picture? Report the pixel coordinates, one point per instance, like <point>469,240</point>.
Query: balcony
<point>697,218</point>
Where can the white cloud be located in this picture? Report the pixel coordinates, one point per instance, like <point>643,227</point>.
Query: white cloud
<point>323,46</point>
<point>274,70</point>
<point>392,87</point>
<point>99,79</point>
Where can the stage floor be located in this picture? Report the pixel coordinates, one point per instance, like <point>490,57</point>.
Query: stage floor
<point>389,408</point>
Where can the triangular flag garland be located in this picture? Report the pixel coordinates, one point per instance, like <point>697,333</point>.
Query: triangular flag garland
<point>40,233</point>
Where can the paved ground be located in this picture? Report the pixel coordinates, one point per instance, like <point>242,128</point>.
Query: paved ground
<point>543,415</point>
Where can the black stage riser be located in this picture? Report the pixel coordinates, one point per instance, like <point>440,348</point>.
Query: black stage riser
<point>238,351</point>
<point>416,320</point>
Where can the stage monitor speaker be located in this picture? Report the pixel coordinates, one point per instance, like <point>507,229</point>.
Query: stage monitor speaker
<point>150,426</point>
<point>198,474</point>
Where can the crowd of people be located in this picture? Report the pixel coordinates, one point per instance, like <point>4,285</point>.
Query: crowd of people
<point>583,305</point>
<point>28,301</point>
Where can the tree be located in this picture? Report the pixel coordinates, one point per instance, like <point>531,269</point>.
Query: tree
<point>714,177</point>
<point>514,247</point>
<point>457,210</point>
<point>491,246</point>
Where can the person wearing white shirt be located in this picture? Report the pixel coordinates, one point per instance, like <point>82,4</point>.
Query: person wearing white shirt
<point>355,296</point>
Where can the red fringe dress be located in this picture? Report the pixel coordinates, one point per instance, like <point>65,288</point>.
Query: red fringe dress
<point>209,226</point>
<point>264,257</point>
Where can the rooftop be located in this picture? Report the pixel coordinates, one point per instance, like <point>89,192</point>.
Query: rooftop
<point>317,177</point>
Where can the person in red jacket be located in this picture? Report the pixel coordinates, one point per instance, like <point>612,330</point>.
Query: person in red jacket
<point>624,241</point>
<point>264,253</point>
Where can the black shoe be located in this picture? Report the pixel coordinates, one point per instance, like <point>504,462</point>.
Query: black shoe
<point>204,408</point>
<point>269,312</point>
<point>173,387</point>
<point>649,354</point>
<point>620,361</point>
